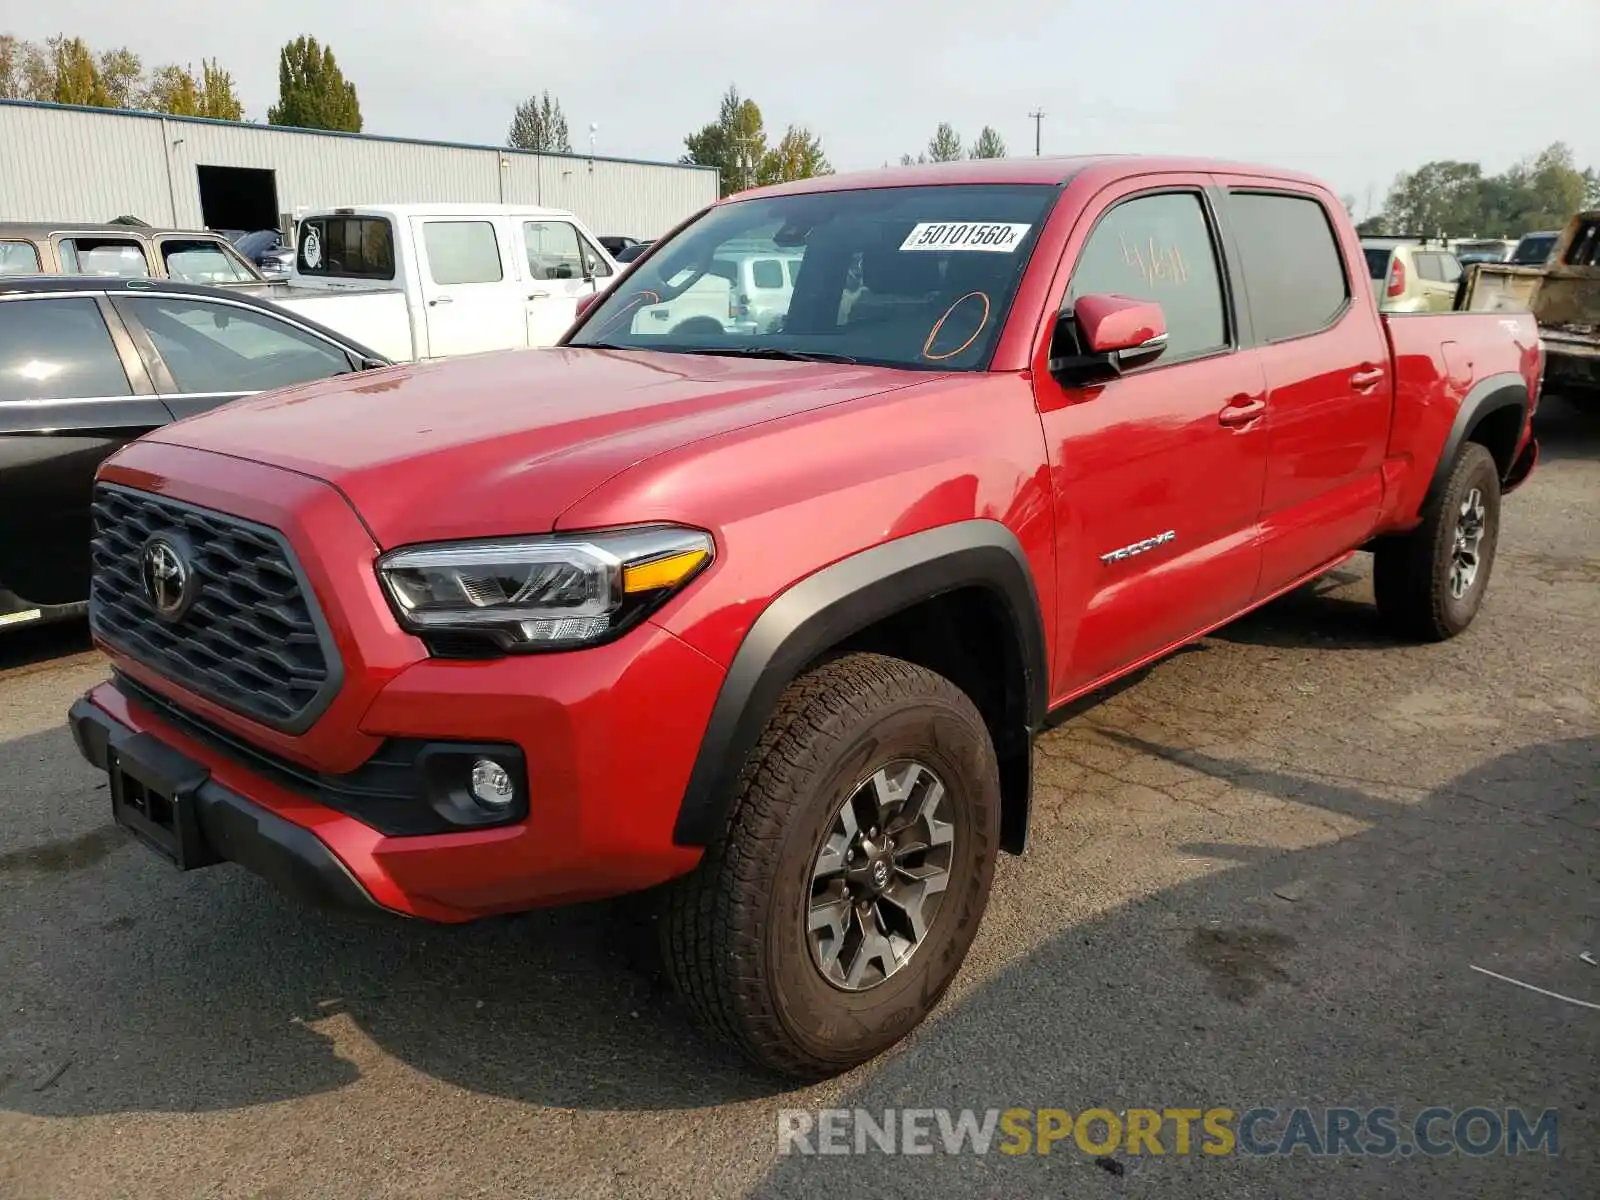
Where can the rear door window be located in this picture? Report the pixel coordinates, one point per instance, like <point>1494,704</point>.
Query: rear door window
<point>57,350</point>
<point>1294,273</point>
<point>462,252</point>
<point>1159,248</point>
<point>120,257</point>
<point>227,348</point>
<point>19,258</point>
<point>340,247</point>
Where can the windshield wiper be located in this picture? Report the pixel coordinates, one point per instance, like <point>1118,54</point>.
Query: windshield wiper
<point>600,346</point>
<point>772,352</point>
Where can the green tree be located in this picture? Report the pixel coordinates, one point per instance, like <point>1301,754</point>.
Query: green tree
<point>77,77</point>
<point>945,146</point>
<point>312,92</point>
<point>1555,187</point>
<point>735,143</point>
<point>1437,199</point>
<point>173,90</point>
<point>14,54</point>
<point>919,161</point>
<point>176,90</point>
<point>798,155</point>
<point>218,97</point>
<point>121,78</point>
<point>989,144</point>
<point>539,124</point>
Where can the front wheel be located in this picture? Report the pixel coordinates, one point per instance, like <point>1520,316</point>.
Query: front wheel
<point>1430,583</point>
<point>831,917</point>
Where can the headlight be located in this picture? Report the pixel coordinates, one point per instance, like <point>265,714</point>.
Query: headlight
<point>540,593</point>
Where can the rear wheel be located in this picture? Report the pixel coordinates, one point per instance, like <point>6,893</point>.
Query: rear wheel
<point>830,919</point>
<point>1430,583</point>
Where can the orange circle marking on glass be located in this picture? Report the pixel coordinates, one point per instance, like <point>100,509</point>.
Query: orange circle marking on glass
<point>939,324</point>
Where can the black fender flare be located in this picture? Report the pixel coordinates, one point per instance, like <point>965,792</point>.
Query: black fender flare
<point>1506,390</point>
<point>824,609</point>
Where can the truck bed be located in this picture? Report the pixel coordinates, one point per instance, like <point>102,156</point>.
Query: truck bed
<point>1439,358</point>
<point>375,317</point>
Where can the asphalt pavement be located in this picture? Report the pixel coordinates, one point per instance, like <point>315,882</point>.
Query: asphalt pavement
<point>1262,877</point>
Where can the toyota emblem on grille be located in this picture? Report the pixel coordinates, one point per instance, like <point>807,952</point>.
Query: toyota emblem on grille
<point>169,580</point>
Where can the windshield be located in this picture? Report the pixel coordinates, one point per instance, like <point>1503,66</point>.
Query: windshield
<point>917,277</point>
<point>1531,251</point>
<point>1377,260</point>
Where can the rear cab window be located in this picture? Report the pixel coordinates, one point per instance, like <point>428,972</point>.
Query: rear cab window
<point>123,258</point>
<point>346,247</point>
<point>767,274</point>
<point>19,258</point>
<point>1585,248</point>
<point>1294,272</point>
<point>57,349</point>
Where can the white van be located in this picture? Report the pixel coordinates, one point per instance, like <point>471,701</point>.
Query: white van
<point>423,281</point>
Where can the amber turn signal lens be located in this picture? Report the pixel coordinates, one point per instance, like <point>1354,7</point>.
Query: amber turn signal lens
<point>662,573</point>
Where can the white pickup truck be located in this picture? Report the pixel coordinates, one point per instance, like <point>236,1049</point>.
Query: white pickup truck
<point>426,281</point>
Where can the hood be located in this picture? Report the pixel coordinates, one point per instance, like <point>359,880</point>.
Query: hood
<point>502,443</point>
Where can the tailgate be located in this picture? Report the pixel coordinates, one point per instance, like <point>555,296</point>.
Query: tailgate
<point>1492,287</point>
<point>380,320</point>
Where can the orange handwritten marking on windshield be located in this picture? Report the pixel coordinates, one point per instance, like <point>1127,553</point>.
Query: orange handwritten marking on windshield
<point>927,346</point>
<point>1154,263</point>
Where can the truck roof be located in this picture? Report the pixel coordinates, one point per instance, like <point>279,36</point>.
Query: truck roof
<point>1023,170</point>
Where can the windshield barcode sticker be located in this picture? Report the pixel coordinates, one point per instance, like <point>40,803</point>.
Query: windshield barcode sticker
<point>994,236</point>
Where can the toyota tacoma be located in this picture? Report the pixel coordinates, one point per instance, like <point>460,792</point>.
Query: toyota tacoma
<point>763,621</point>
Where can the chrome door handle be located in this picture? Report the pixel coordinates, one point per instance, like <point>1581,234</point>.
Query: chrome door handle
<point>440,300</point>
<point>1366,379</point>
<point>538,295</point>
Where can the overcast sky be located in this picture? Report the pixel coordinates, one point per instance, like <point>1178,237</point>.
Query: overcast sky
<point>1354,91</point>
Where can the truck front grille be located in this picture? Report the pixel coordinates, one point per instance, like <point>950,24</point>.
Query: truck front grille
<point>251,637</point>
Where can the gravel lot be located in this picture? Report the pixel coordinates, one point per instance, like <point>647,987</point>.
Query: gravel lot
<point>1261,875</point>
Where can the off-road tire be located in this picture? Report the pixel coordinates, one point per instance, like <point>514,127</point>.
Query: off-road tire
<point>734,930</point>
<point>1411,573</point>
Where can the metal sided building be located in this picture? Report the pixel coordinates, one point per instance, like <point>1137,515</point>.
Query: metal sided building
<point>64,163</point>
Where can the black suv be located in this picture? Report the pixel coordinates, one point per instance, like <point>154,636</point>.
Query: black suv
<point>87,364</point>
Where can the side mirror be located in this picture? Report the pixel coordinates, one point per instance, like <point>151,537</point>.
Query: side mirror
<point>1105,335</point>
<point>585,303</point>
<point>374,364</point>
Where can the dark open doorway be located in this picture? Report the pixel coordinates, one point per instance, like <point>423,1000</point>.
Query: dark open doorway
<point>243,198</point>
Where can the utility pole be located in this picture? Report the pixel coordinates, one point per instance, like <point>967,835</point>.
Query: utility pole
<point>1037,117</point>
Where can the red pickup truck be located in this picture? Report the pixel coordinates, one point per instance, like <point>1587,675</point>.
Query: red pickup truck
<point>768,616</point>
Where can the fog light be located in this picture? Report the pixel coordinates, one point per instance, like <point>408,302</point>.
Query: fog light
<point>491,785</point>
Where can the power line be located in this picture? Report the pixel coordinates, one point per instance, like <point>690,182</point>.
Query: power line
<point>1037,117</point>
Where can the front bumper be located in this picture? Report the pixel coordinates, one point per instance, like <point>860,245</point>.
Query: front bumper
<point>233,828</point>
<point>608,736</point>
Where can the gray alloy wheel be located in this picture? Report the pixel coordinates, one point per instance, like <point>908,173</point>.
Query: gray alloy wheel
<point>880,875</point>
<point>1468,539</point>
